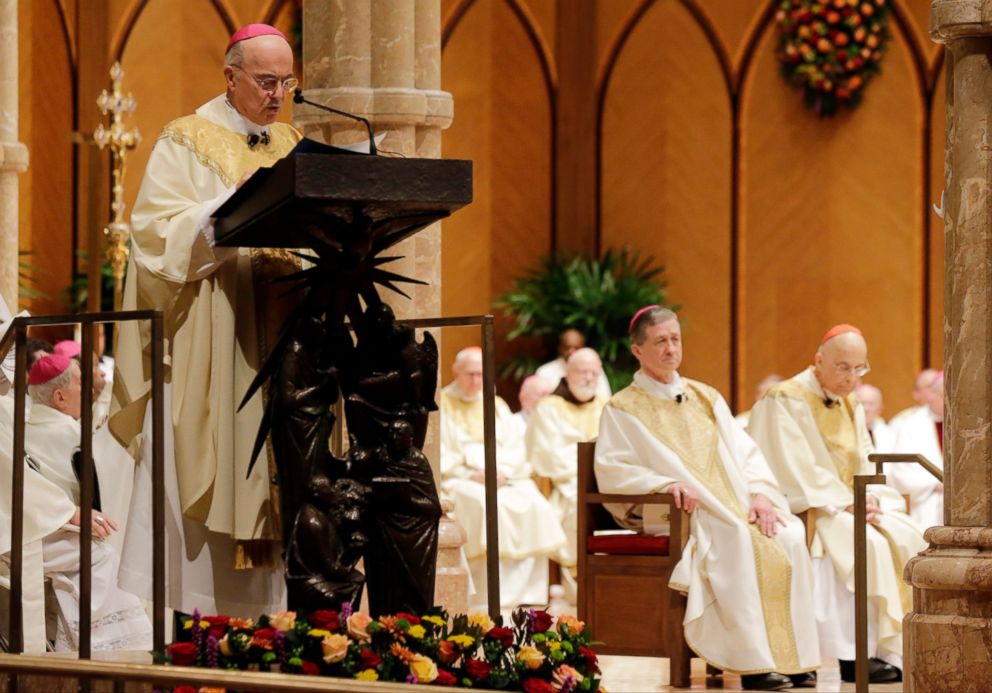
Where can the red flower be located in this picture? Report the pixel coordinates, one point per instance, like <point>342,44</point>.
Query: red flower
<point>445,678</point>
<point>218,625</point>
<point>370,659</point>
<point>325,619</point>
<point>536,685</point>
<point>592,661</point>
<point>263,638</point>
<point>310,669</point>
<point>182,654</point>
<point>542,621</point>
<point>413,620</point>
<point>447,652</point>
<point>184,689</point>
<point>503,635</point>
<point>477,670</point>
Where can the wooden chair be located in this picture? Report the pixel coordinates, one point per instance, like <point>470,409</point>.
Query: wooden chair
<point>545,485</point>
<point>625,596</point>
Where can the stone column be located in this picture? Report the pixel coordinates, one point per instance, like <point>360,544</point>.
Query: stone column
<point>381,59</point>
<point>13,154</point>
<point>948,633</point>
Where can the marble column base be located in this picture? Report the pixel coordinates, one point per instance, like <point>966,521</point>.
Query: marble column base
<point>948,635</point>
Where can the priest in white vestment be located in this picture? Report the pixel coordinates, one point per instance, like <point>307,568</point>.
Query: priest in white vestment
<point>529,531</point>
<point>222,316</point>
<point>812,430</point>
<point>921,431</point>
<point>745,568</point>
<point>562,420</point>
<point>52,434</point>
<point>763,386</point>
<point>532,390</point>
<point>553,371</point>
<point>881,434</point>
<point>921,385</point>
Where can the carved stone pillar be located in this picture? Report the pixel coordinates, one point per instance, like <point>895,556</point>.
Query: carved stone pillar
<point>381,59</point>
<point>13,154</point>
<point>947,634</point>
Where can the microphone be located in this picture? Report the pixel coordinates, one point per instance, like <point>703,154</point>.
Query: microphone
<point>298,98</point>
<point>827,402</point>
<point>679,398</point>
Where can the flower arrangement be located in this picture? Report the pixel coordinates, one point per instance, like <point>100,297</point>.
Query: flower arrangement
<point>535,655</point>
<point>831,48</point>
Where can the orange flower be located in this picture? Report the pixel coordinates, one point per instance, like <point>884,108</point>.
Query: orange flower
<point>358,626</point>
<point>335,647</point>
<point>401,652</point>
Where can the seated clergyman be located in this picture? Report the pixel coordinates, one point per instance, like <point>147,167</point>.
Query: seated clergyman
<point>562,420</point>
<point>52,438</point>
<point>529,531</point>
<point>812,430</point>
<point>745,569</point>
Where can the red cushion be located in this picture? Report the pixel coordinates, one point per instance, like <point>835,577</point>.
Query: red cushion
<point>628,544</point>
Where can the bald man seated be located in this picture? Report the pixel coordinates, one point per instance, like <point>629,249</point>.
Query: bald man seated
<point>812,431</point>
<point>529,531</point>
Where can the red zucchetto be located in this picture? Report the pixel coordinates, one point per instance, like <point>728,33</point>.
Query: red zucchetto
<point>253,30</point>
<point>836,330</point>
<point>47,367</point>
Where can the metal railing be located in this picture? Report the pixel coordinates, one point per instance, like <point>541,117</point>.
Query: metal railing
<point>17,337</point>
<point>861,482</point>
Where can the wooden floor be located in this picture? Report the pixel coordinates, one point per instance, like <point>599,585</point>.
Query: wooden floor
<point>648,674</point>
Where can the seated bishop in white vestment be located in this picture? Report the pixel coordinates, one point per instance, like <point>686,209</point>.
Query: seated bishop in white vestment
<point>920,431</point>
<point>745,569</point>
<point>529,531</point>
<point>51,508</point>
<point>812,430</point>
<point>562,420</point>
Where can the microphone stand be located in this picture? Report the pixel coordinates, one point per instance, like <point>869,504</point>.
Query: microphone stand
<point>298,98</point>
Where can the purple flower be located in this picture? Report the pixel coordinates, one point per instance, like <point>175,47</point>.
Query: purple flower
<point>213,652</point>
<point>345,610</point>
<point>410,678</point>
<point>279,646</point>
<point>196,632</point>
<point>568,685</point>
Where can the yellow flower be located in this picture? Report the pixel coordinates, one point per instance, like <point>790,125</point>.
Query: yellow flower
<point>423,668</point>
<point>224,646</point>
<point>335,647</point>
<point>436,620</point>
<point>463,641</point>
<point>481,620</point>
<point>416,632</point>
<point>283,620</point>
<point>211,689</point>
<point>367,675</point>
<point>189,624</point>
<point>554,645</point>
<point>530,657</point>
<point>318,632</point>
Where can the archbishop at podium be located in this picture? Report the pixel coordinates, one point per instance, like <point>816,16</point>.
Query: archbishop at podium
<point>221,318</point>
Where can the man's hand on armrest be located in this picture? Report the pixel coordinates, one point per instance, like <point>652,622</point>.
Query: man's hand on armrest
<point>685,495</point>
<point>103,526</point>
<point>764,514</point>
<point>874,512</point>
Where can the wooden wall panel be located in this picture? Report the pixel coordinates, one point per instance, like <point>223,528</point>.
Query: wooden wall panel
<point>666,175</point>
<point>187,38</point>
<point>502,122</point>
<point>936,250</point>
<point>734,20</point>
<point>831,226</point>
<point>46,108</point>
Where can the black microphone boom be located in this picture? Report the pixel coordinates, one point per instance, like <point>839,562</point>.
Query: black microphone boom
<point>298,98</point>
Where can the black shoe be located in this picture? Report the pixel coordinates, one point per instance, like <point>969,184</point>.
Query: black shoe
<point>878,671</point>
<point>807,680</point>
<point>765,682</point>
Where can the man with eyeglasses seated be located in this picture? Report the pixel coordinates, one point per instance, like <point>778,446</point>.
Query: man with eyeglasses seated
<point>222,316</point>
<point>812,431</point>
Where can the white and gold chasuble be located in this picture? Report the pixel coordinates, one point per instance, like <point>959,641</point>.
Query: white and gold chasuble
<point>815,450</point>
<point>749,607</point>
<point>221,317</point>
<point>555,429</point>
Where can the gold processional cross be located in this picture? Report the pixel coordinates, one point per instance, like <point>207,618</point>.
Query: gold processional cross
<point>119,140</point>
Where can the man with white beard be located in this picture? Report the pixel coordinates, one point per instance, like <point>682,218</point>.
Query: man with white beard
<point>529,531</point>
<point>562,420</point>
<point>921,431</point>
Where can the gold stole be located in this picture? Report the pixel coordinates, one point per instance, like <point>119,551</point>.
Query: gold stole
<point>464,415</point>
<point>836,426</point>
<point>689,430</point>
<point>585,416</point>
<point>227,154</point>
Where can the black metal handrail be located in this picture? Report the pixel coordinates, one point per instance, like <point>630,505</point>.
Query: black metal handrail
<point>17,337</point>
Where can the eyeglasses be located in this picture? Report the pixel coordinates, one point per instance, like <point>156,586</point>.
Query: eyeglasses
<point>859,371</point>
<point>270,84</point>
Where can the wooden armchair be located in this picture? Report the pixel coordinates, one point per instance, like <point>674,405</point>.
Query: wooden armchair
<point>625,596</point>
